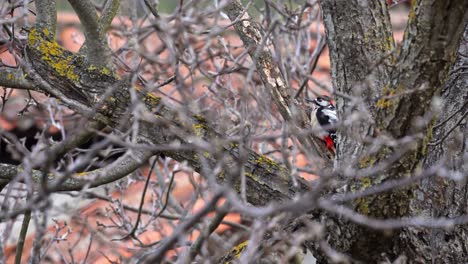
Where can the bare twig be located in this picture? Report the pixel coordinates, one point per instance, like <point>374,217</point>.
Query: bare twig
<point>142,201</point>
<point>157,255</point>
<point>450,130</point>
<point>214,223</point>
<point>22,236</point>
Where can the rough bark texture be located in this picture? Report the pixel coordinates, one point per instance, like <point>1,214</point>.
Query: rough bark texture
<point>356,49</point>
<point>437,197</point>
<point>397,87</point>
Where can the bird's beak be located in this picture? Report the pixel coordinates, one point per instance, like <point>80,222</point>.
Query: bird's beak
<point>313,105</point>
<point>311,101</point>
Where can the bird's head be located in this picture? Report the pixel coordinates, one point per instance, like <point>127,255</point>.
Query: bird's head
<point>321,101</point>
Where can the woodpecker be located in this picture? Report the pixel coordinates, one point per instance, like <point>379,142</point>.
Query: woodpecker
<point>323,118</point>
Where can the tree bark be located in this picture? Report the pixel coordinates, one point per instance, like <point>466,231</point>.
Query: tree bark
<point>397,88</point>
<point>438,197</point>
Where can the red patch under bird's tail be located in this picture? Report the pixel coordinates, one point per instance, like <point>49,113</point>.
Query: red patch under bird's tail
<point>329,142</point>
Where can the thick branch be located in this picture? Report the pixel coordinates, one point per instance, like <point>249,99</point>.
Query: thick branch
<point>46,19</point>
<point>120,168</point>
<point>98,52</point>
<point>14,78</point>
<point>59,149</point>
<point>74,140</point>
<point>110,11</point>
<point>108,14</point>
<point>255,41</point>
<point>429,49</point>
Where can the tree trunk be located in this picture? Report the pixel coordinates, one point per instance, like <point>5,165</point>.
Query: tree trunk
<point>438,197</point>
<point>397,91</point>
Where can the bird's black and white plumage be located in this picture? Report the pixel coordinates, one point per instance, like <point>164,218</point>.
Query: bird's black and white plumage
<point>323,118</point>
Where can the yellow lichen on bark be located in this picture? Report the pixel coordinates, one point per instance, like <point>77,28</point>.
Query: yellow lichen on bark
<point>366,162</point>
<point>428,137</point>
<point>237,250</point>
<point>268,163</point>
<point>53,54</point>
<point>148,97</point>
<point>198,129</point>
<point>389,97</point>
